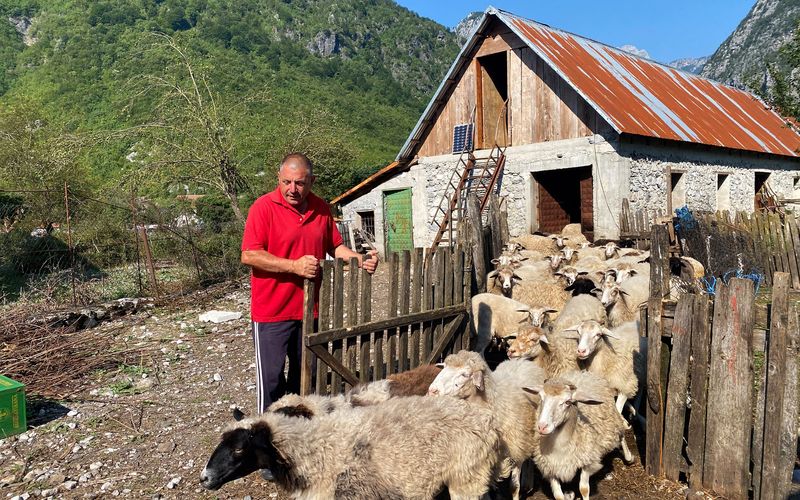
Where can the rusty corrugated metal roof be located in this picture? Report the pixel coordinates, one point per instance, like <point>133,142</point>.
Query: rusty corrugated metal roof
<point>641,97</point>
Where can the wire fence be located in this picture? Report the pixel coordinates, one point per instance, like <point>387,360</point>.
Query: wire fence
<point>63,246</point>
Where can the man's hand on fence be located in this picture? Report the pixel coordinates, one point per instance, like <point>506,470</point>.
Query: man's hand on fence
<point>369,262</point>
<point>306,266</point>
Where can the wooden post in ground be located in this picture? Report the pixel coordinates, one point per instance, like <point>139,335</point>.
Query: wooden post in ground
<point>659,261</point>
<point>696,438</point>
<point>148,260</point>
<point>730,391</point>
<point>772,477</point>
<point>307,357</point>
<point>788,442</point>
<point>478,257</point>
<point>678,385</point>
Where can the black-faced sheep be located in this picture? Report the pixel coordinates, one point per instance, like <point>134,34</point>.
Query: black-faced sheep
<point>403,448</point>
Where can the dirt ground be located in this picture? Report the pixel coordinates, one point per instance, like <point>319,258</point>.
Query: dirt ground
<point>146,431</point>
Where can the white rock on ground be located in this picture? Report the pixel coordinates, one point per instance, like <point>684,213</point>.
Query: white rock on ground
<point>215,316</point>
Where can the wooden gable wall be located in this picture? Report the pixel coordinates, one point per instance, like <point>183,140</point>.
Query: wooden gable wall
<point>542,106</point>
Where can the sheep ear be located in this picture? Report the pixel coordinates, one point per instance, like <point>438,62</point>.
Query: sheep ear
<point>597,290</point>
<point>551,310</point>
<point>238,415</point>
<point>609,333</point>
<point>633,272</point>
<point>440,365</point>
<point>583,273</point>
<point>495,261</point>
<point>585,397</point>
<point>477,379</point>
<point>509,337</point>
<point>543,339</point>
<point>516,277</point>
<point>521,259</point>
<point>623,292</point>
<point>536,389</point>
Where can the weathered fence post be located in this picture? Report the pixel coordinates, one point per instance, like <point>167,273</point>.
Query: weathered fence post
<point>677,388</point>
<point>659,260</point>
<point>772,477</point>
<point>730,391</point>
<point>478,257</point>
<point>495,224</point>
<point>307,357</point>
<point>696,438</point>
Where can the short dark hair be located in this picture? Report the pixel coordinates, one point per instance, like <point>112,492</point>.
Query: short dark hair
<point>301,158</point>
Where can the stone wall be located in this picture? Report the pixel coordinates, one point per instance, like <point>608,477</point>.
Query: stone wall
<point>650,167</point>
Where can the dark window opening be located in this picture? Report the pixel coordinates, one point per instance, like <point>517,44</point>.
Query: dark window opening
<point>493,93</point>
<point>565,197</point>
<point>677,189</point>
<point>368,222</point>
<point>761,190</point>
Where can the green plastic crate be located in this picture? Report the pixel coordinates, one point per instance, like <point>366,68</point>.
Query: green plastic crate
<point>12,407</point>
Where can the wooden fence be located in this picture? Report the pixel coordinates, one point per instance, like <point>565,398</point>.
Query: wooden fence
<point>713,414</point>
<point>765,243</point>
<point>426,319</point>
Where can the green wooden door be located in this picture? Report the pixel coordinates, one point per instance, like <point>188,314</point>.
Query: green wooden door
<point>397,220</point>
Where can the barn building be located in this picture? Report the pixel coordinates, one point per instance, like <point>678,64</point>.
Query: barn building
<point>582,126</point>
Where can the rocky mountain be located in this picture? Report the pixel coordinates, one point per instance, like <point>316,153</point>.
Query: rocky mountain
<point>633,49</point>
<point>465,27</point>
<point>690,64</point>
<point>743,57</point>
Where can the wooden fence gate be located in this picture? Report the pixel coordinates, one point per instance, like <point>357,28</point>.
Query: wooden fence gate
<point>425,319</point>
<point>714,414</point>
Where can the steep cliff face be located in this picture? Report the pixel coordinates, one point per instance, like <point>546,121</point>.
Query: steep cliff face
<point>690,64</point>
<point>743,57</point>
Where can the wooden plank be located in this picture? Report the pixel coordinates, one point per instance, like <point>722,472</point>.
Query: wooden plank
<point>780,265</point>
<point>476,233</point>
<point>449,285</point>
<point>458,288</point>
<point>757,445</point>
<point>625,218</point>
<point>438,289</point>
<point>366,315</point>
<point>351,306</point>
<point>306,356</point>
<point>788,445</point>
<point>335,364</point>
<point>675,412</point>
<point>696,436</point>
<point>479,125</point>
<point>766,244</point>
<point>447,335</point>
<point>405,292</point>
<point>727,461</point>
<point>791,222</point>
<point>417,260</point>
<point>772,475</point>
<point>341,333</point>
<point>655,414</point>
<point>427,305</point>
<point>494,222</point>
<point>324,322</point>
<point>337,320</point>
<point>394,292</point>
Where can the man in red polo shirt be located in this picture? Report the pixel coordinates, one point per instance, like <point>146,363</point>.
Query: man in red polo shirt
<point>288,231</point>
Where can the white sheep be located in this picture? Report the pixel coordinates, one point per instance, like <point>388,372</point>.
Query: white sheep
<point>403,448</point>
<point>495,317</point>
<point>536,242</point>
<point>578,426</point>
<point>622,300</point>
<point>616,355</point>
<point>579,308</point>
<point>465,375</point>
<point>554,353</point>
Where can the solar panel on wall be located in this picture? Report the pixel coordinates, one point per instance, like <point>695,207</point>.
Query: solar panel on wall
<point>462,138</point>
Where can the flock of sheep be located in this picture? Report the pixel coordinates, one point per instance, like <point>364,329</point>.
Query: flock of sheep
<point>564,312</point>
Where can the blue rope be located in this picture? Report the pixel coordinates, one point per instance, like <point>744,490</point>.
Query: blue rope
<point>755,277</point>
<point>685,219</point>
<point>710,283</point>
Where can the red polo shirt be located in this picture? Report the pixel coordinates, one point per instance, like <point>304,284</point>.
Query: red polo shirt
<point>277,227</point>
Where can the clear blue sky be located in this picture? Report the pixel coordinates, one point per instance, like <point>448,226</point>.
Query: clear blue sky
<point>668,30</point>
